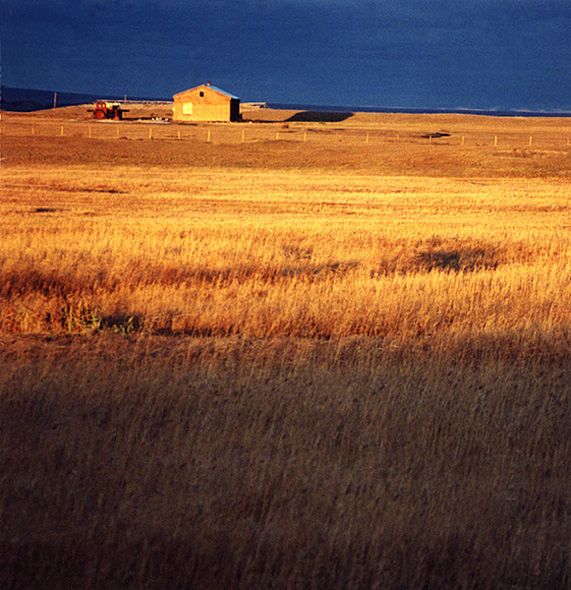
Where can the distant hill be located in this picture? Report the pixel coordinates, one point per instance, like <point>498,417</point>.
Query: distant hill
<point>26,99</point>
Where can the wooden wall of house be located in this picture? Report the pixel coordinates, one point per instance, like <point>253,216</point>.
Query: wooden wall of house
<point>205,104</point>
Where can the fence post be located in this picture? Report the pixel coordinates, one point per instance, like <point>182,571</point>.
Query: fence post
<point>61,131</point>
<point>530,140</point>
<point>208,136</point>
<point>495,141</point>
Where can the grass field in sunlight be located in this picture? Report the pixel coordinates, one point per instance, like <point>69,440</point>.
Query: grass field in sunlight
<point>286,354</point>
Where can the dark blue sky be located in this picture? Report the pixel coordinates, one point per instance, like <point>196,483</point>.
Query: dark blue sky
<point>505,54</point>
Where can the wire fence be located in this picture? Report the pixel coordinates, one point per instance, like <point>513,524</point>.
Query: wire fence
<point>237,133</point>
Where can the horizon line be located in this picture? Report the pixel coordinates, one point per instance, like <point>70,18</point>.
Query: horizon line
<point>301,105</point>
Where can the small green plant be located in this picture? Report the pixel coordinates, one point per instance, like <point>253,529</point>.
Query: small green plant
<point>79,317</point>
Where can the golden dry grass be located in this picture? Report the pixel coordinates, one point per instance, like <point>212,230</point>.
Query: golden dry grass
<point>282,253</point>
<point>332,360</point>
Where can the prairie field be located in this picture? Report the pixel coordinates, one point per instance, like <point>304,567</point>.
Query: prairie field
<point>300,352</point>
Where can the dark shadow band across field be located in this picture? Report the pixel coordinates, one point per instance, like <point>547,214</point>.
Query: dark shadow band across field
<point>343,464</point>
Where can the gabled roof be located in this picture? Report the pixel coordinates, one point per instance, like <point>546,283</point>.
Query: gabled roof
<point>220,90</point>
<point>210,87</point>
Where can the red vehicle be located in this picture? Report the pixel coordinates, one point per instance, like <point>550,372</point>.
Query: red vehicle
<point>105,109</point>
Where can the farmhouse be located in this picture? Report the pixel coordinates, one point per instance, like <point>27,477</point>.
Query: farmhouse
<point>206,103</point>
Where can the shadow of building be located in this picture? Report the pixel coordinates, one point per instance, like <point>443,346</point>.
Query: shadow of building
<point>319,117</point>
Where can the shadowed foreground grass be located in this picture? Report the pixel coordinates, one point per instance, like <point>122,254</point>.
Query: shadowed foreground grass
<point>287,463</point>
